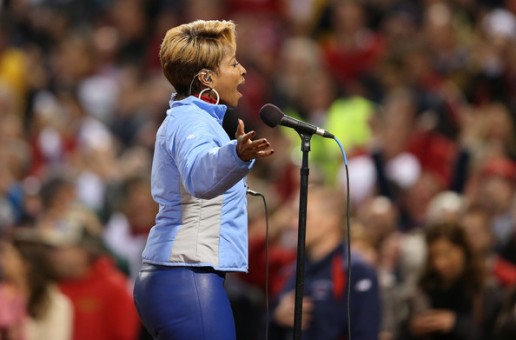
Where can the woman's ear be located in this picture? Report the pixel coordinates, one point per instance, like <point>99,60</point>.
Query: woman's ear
<point>205,78</point>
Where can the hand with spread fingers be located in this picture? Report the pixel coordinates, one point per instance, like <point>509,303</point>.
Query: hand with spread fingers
<point>248,149</point>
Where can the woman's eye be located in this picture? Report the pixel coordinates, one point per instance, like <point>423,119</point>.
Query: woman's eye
<point>235,64</point>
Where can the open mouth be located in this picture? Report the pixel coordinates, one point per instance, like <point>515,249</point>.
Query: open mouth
<point>239,85</point>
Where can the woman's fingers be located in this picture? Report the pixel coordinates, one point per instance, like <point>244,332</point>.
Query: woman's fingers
<point>240,129</point>
<point>258,148</point>
<point>248,149</point>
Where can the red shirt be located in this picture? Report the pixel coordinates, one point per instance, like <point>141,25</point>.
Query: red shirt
<point>103,306</point>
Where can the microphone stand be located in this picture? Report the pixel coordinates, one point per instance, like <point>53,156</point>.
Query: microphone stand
<point>300,265</point>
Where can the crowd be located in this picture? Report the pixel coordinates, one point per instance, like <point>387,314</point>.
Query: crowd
<point>422,95</point>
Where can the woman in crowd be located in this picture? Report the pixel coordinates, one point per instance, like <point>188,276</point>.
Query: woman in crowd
<point>31,305</point>
<point>451,300</point>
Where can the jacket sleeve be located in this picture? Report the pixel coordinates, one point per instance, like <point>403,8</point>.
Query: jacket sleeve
<point>208,164</point>
<point>365,302</point>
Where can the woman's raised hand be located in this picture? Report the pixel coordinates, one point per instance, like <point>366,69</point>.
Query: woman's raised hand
<point>248,149</point>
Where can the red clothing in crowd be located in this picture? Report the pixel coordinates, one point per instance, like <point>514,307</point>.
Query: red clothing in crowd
<point>280,265</point>
<point>435,153</point>
<point>103,306</point>
<point>504,271</point>
<point>349,65</point>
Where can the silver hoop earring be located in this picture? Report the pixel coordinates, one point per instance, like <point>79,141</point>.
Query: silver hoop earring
<point>210,89</point>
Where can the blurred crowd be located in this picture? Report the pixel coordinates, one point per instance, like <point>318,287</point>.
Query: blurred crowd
<point>422,95</point>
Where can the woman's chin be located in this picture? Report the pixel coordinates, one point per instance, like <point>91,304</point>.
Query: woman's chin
<point>238,96</point>
<point>231,101</point>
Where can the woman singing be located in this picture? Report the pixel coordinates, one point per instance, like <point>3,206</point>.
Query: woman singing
<point>198,180</point>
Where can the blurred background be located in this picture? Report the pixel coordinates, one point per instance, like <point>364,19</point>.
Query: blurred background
<point>422,95</point>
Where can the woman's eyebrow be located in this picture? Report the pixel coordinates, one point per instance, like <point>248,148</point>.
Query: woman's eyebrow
<point>232,59</point>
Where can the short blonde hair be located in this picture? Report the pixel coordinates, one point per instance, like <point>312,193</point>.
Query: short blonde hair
<point>189,48</point>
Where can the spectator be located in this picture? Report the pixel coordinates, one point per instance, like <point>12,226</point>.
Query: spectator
<point>127,230</point>
<point>506,322</point>
<point>388,168</point>
<point>32,307</point>
<point>476,222</point>
<point>451,299</point>
<point>495,191</point>
<point>102,303</point>
<point>12,309</point>
<point>324,313</point>
<point>352,49</point>
<point>13,66</point>
<point>380,222</point>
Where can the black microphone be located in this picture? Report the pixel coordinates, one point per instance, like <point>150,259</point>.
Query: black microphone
<point>271,115</point>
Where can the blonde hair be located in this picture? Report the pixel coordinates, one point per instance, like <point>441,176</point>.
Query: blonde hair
<point>189,48</point>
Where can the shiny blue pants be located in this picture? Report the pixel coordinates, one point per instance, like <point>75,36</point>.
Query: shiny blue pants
<point>189,303</point>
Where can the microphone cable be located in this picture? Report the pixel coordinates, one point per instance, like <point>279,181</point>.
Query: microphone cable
<point>259,194</point>
<point>348,233</point>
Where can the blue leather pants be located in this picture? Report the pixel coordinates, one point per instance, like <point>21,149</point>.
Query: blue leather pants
<point>189,303</point>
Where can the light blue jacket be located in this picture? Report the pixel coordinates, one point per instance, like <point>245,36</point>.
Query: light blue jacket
<point>198,180</point>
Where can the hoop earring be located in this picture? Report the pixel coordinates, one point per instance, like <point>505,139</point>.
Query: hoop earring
<point>210,89</point>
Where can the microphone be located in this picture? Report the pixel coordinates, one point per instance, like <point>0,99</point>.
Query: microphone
<point>271,115</point>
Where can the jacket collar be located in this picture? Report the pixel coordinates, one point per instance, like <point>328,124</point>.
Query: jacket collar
<point>217,111</point>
